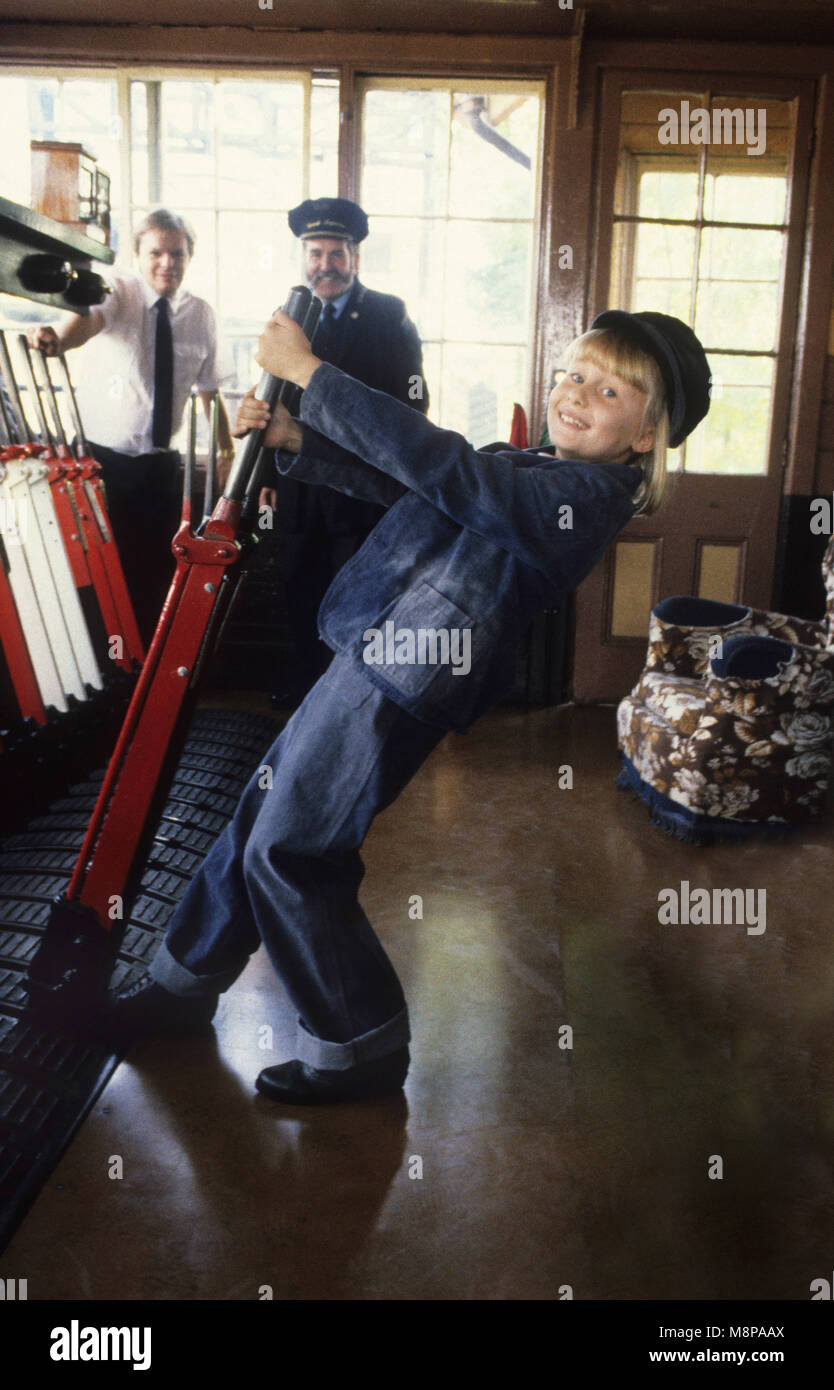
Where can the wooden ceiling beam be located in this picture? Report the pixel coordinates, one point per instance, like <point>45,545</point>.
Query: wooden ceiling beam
<point>100,44</point>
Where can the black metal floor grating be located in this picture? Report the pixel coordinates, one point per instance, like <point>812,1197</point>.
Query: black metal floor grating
<point>48,1082</point>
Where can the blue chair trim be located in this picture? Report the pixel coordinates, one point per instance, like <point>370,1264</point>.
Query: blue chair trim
<point>687,825</point>
<point>683,610</point>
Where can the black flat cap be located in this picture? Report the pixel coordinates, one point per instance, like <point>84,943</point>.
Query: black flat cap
<point>680,357</point>
<point>338,218</point>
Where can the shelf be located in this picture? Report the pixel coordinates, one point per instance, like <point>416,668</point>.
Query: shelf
<point>24,232</point>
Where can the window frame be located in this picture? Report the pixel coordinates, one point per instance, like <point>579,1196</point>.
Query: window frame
<point>452,81</point>
<point>800,90</point>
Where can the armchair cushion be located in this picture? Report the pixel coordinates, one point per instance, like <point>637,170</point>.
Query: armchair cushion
<point>746,746</point>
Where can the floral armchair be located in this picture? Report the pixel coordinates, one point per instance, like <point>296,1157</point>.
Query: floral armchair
<point>729,729</point>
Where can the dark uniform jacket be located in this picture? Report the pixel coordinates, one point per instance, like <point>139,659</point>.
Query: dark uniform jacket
<point>375,341</point>
<point>470,539</point>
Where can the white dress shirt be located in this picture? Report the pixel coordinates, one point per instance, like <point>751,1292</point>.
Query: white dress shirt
<point>115,388</point>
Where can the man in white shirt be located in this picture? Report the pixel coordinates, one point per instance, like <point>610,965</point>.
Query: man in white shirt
<point>149,343</point>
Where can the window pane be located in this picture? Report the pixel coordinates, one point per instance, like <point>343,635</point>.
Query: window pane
<point>324,138</point>
<point>259,143</point>
<point>734,436</point>
<point>493,158</point>
<point>736,149</point>
<point>404,256</point>
<point>406,141</point>
<point>203,269</point>
<point>188,144</point>
<point>738,288</point>
<point>487,281</point>
<point>43,108</point>
<point>260,258</point>
<point>460,173</point>
<point>17,158</point>
<point>479,389</point>
<point>140,173</point>
<point>81,112</point>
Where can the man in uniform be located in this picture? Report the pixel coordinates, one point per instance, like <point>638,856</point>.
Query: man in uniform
<point>370,336</point>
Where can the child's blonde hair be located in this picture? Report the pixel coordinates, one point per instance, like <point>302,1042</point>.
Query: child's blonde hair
<point>611,352</point>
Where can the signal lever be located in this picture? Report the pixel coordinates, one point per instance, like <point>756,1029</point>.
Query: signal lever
<point>75,959</point>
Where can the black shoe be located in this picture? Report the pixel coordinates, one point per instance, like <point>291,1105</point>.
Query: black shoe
<point>295,1083</point>
<point>146,1010</point>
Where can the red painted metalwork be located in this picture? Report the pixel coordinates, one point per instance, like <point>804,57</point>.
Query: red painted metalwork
<point>12,637</point>
<point>76,955</point>
<point>89,495</point>
<point>152,716</point>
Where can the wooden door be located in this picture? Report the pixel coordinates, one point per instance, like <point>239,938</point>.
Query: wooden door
<point>701,207</point>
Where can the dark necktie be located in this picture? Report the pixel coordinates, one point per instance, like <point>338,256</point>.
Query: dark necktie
<point>328,323</point>
<point>163,377</point>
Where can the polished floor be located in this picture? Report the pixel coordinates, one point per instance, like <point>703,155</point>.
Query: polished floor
<point>599,1104</point>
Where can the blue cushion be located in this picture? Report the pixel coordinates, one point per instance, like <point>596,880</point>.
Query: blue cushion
<point>684,611</point>
<point>752,658</point>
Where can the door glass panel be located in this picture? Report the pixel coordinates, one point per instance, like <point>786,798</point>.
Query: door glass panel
<point>706,161</point>
<point>670,193</point>
<point>633,588</point>
<point>719,572</point>
<point>663,263</point>
<point>734,436</point>
<point>738,288</point>
<point>641,123</point>
<point>737,196</point>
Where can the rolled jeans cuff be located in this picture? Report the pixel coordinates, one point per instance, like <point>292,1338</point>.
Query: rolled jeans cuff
<point>334,1056</point>
<point>178,980</point>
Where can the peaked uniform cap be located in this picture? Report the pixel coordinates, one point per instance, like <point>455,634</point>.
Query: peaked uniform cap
<point>338,218</point>
<point>682,361</point>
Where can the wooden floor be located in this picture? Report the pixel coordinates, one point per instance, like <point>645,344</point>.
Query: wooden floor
<point>515,1165</point>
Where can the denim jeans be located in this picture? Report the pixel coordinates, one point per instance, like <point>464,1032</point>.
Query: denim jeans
<point>286,872</point>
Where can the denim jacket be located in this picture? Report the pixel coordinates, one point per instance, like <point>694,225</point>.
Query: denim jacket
<point>472,540</point>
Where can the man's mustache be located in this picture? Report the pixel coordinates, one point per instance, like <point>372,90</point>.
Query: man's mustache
<point>342,276</point>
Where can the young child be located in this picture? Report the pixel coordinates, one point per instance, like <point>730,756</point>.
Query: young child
<point>473,543</point>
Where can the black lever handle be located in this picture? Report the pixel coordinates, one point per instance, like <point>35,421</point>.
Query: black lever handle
<point>304,309</point>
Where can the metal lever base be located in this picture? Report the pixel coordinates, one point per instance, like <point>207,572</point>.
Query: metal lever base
<point>68,977</point>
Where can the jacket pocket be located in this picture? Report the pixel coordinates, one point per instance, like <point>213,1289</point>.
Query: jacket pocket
<point>422,640</point>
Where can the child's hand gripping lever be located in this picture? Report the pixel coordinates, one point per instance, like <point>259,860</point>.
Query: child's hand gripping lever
<point>244,479</point>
